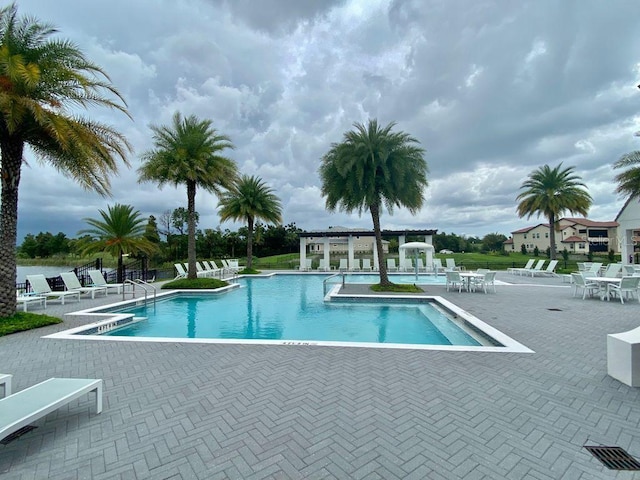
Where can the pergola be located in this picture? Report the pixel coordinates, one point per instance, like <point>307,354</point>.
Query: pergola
<point>350,234</point>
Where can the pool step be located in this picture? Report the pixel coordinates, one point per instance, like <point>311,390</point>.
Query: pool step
<point>139,319</point>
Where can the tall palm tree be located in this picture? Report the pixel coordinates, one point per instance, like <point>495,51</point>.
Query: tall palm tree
<point>188,153</point>
<point>551,191</point>
<point>372,167</point>
<point>121,230</point>
<point>629,180</point>
<point>250,200</point>
<point>42,83</point>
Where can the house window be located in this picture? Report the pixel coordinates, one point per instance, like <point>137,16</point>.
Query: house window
<point>525,235</point>
<point>546,235</point>
<point>581,246</point>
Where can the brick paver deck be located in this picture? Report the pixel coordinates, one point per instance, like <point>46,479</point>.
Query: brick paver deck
<point>208,411</point>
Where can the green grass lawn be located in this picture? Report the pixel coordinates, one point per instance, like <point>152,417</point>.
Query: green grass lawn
<point>22,321</point>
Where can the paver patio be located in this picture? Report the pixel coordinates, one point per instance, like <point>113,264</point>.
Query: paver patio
<point>212,411</point>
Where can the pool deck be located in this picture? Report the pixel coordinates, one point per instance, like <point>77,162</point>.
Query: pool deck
<point>209,411</point>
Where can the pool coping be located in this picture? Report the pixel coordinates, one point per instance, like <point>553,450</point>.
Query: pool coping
<point>115,320</point>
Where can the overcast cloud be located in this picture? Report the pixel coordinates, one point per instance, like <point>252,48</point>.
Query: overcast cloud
<point>492,90</point>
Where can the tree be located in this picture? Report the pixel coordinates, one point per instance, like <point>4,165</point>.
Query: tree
<point>151,230</point>
<point>188,153</point>
<point>250,200</point>
<point>120,231</point>
<point>549,192</point>
<point>629,180</point>
<point>372,167</point>
<point>493,242</point>
<point>43,81</point>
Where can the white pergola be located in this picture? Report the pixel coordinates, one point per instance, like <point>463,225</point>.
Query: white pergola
<point>327,235</point>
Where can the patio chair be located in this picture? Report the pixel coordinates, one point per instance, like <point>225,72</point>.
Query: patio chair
<point>211,265</point>
<point>206,272</point>
<point>182,273</point>
<point>451,265</point>
<point>344,266</point>
<point>355,267</point>
<point>437,266</point>
<point>613,270</point>
<point>308,262</point>
<point>199,274</point>
<point>391,265</point>
<point>420,264</point>
<point>98,280</point>
<point>72,284</point>
<point>454,280</point>
<point>629,270</point>
<point>579,282</point>
<point>40,286</point>
<point>516,270</point>
<point>534,270</point>
<point>550,270</point>
<point>593,270</point>
<point>488,279</point>
<point>234,265</point>
<point>408,265</point>
<point>628,286</point>
<point>366,265</point>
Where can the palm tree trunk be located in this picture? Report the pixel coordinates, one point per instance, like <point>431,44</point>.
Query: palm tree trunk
<point>552,236</point>
<point>11,150</point>
<point>249,242</point>
<point>191,229</point>
<point>120,269</point>
<point>382,265</point>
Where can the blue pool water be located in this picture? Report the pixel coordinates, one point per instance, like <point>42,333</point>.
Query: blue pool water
<point>291,307</point>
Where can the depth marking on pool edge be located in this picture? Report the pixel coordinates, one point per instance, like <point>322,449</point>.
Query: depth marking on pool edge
<point>289,342</point>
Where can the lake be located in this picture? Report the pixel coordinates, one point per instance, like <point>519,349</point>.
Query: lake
<point>47,271</point>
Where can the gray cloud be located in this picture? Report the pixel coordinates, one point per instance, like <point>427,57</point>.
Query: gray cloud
<point>491,88</point>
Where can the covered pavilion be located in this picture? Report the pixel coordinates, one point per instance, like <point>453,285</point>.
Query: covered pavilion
<point>352,234</point>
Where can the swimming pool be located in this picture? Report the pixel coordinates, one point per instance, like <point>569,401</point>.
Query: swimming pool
<point>291,309</point>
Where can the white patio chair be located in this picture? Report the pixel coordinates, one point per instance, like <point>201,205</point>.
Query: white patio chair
<point>580,283</point>
<point>420,264</point>
<point>488,279</point>
<point>98,280</point>
<point>182,272</point>
<point>344,266</point>
<point>534,270</point>
<point>366,265</point>
<point>40,286</point>
<point>391,265</point>
<point>72,284</point>
<point>628,286</point>
<point>437,266</point>
<point>355,267</point>
<point>516,270</point>
<point>613,270</point>
<point>455,280</point>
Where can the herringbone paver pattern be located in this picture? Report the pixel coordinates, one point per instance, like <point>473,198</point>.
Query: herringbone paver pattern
<point>182,411</point>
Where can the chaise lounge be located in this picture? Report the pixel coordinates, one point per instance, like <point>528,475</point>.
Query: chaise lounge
<point>40,286</point>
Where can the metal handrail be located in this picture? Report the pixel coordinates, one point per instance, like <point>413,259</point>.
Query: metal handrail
<point>141,283</point>
<point>325,281</point>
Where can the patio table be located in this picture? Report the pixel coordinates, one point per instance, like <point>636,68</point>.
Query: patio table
<point>603,284</point>
<point>468,276</point>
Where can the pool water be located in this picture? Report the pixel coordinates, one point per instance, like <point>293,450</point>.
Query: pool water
<point>291,307</point>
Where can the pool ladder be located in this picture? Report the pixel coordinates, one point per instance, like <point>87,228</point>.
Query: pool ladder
<point>326,282</point>
<point>142,284</point>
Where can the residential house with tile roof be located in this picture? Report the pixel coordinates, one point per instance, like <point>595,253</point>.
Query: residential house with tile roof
<point>577,235</point>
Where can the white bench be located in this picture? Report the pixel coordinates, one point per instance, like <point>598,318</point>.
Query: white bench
<point>21,408</point>
<point>5,381</point>
<point>623,357</point>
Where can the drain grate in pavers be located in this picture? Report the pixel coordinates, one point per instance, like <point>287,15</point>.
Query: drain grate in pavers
<point>18,433</point>
<point>614,458</point>
<point>554,309</point>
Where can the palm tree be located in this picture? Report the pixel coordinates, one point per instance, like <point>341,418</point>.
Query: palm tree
<point>250,200</point>
<point>629,180</point>
<point>188,153</point>
<point>121,230</point>
<point>549,192</point>
<point>42,83</point>
<point>372,167</point>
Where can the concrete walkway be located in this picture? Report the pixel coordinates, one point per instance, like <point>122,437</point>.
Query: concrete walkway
<point>209,411</point>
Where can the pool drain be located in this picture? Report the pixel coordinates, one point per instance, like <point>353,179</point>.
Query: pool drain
<point>614,458</point>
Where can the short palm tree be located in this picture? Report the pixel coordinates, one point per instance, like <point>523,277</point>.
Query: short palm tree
<point>121,230</point>
<point>250,200</point>
<point>629,180</point>
<point>551,191</point>
<point>188,153</point>
<point>43,81</point>
<point>372,167</point>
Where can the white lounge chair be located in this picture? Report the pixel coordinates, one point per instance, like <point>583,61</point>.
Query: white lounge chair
<point>593,270</point>
<point>207,272</point>
<point>408,265</point>
<point>99,281</point>
<point>366,265</point>
<point>516,270</point>
<point>200,272</point>
<point>72,284</point>
<point>437,266</point>
<point>549,270</point>
<point>421,267</point>
<point>391,265</point>
<point>234,266</point>
<point>40,286</point>
<point>580,283</point>
<point>628,286</point>
<point>355,266</point>
<point>343,265</point>
<point>211,266</point>
<point>182,273</point>
<point>24,407</point>
<point>451,265</point>
<point>25,299</point>
<point>535,269</point>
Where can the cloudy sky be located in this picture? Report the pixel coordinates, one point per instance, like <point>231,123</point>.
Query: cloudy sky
<point>491,89</point>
